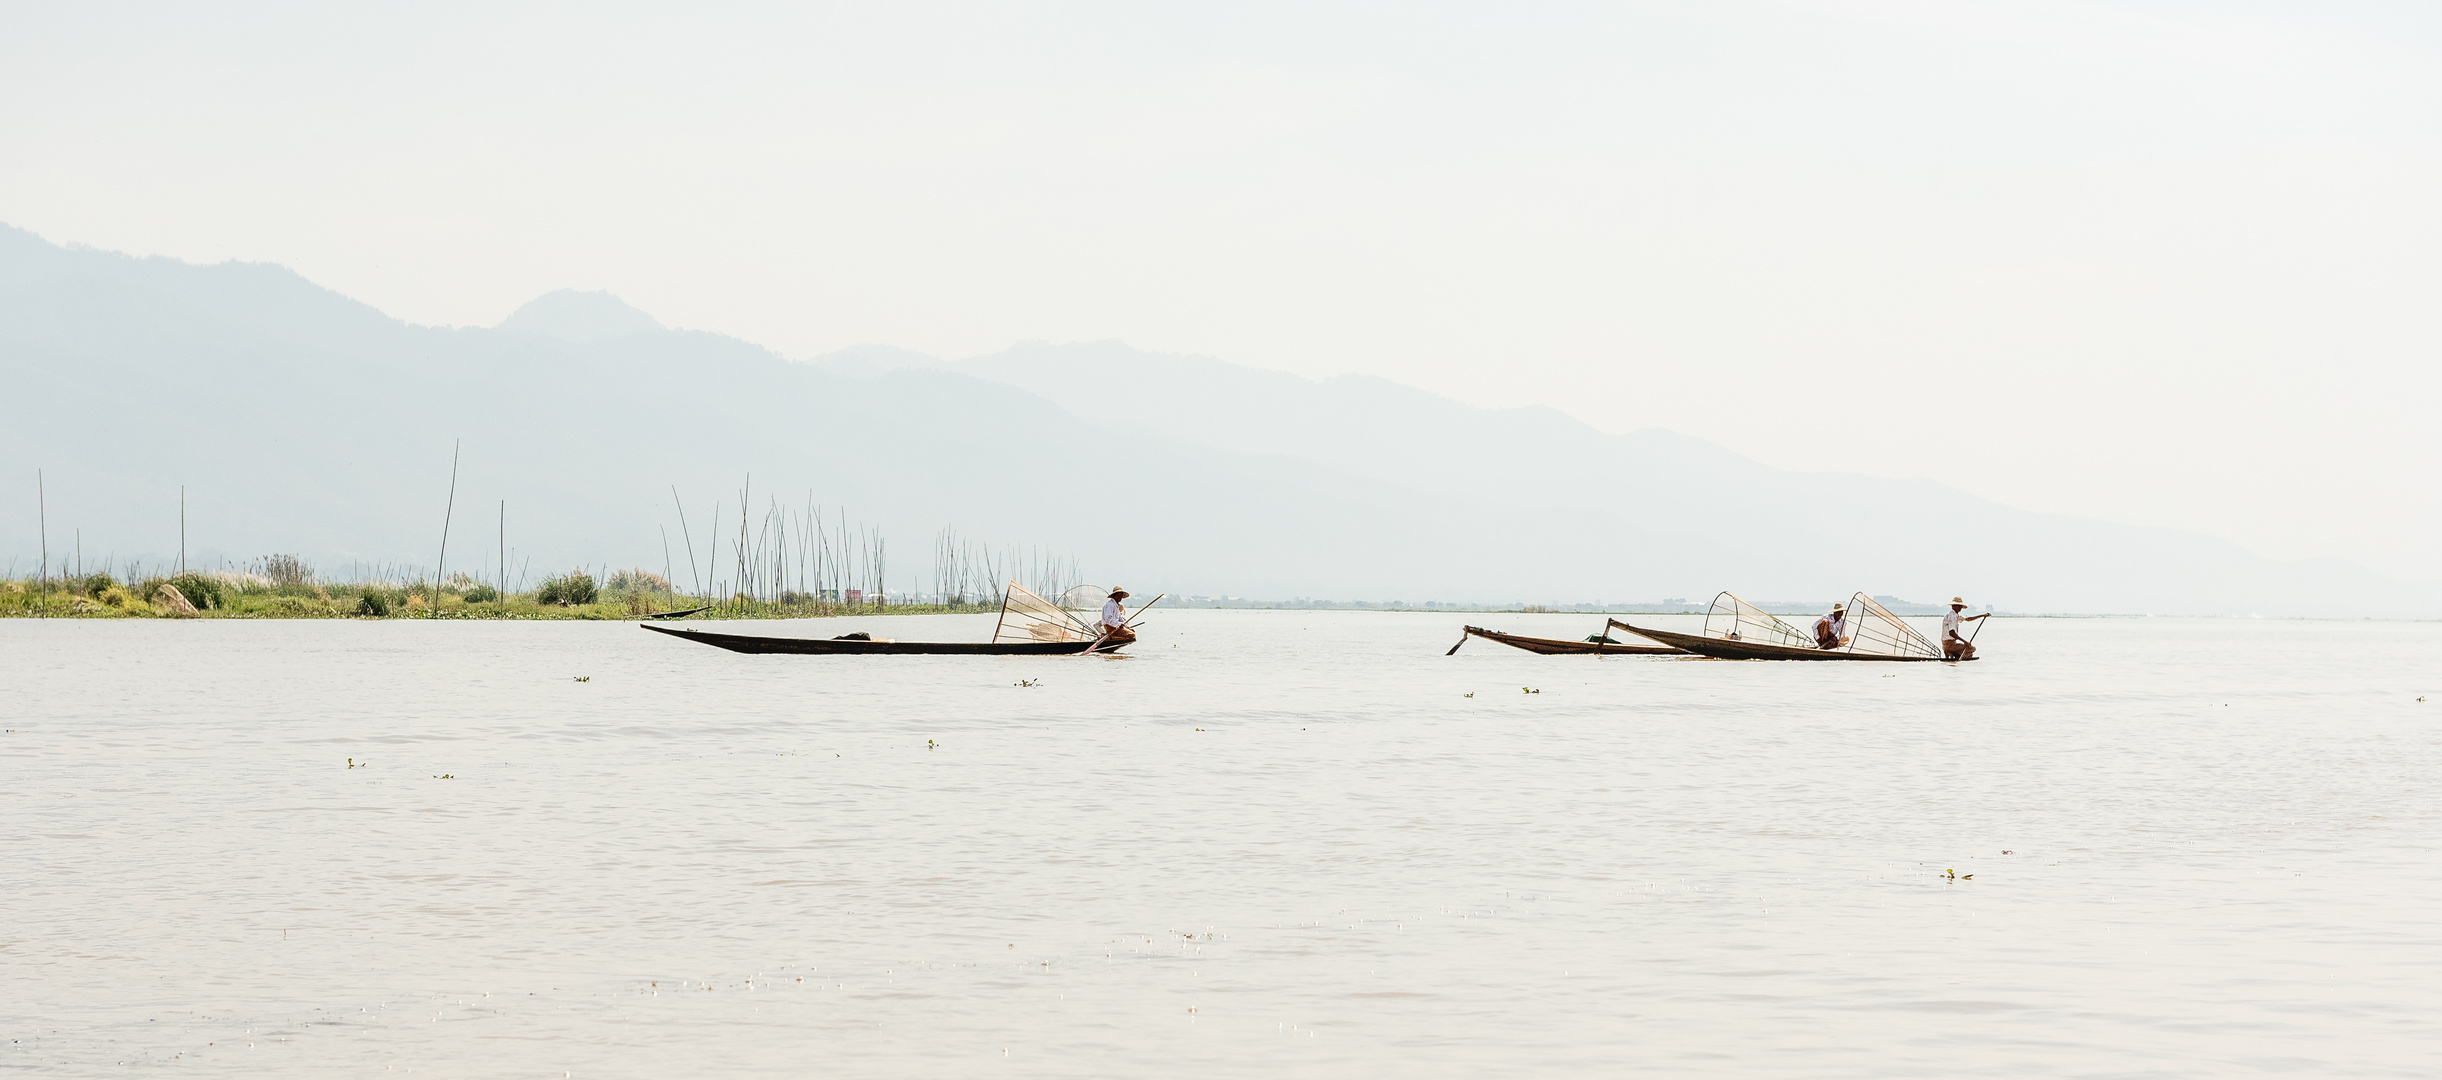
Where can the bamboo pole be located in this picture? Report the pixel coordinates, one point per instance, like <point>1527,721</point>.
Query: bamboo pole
<point>690,538</point>
<point>442,563</point>
<point>42,511</point>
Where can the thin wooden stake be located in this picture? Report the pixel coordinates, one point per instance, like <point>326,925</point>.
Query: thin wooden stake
<point>443,562</point>
<point>42,511</point>
<point>690,538</point>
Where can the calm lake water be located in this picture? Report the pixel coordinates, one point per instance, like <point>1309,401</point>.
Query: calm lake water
<point>1262,844</point>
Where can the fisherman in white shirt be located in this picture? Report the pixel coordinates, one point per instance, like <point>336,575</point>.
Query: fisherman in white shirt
<point>1955,647</point>
<point>1831,631</point>
<point>1115,618</point>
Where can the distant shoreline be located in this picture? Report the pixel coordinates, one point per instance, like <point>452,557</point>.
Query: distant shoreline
<point>219,597</point>
<point>243,596</point>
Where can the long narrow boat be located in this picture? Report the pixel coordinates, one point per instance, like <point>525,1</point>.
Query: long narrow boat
<point>1737,630</point>
<point>1556,646</point>
<point>1726,649</point>
<point>1029,626</point>
<point>755,643</point>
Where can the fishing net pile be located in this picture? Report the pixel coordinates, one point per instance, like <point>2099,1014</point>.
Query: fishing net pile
<point>1028,617</point>
<point>1733,619</point>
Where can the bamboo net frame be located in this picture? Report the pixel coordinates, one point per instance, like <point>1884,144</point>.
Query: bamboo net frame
<point>1873,630</point>
<point>1733,619</point>
<point>1028,617</point>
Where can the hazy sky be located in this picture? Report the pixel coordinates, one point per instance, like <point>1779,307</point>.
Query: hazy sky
<point>2169,263</point>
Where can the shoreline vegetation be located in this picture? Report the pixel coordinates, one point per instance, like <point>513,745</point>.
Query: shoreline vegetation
<point>791,565</point>
<point>253,594</point>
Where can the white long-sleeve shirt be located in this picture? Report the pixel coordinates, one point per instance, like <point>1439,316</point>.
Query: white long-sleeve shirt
<point>1113,614</point>
<point>1950,625</point>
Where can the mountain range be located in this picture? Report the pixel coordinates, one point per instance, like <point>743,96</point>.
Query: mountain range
<point>299,420</point>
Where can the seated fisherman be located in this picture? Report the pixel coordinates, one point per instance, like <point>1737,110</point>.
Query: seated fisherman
<point>1115,618</point>
<point>1955,647</point>
<point>1831,631</point>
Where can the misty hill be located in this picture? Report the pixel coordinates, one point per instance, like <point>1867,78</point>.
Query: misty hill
<point>570,315</point>
<point>300,420</point>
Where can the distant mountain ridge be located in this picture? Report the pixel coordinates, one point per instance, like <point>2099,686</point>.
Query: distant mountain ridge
<point>1678,498</point>
<point>301,420</point>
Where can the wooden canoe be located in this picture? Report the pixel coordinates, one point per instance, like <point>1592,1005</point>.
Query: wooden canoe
<point>1723,649</point>
<point>750,643</point>
<point>1557,646</point>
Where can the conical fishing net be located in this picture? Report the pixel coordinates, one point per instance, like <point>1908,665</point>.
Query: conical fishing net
<point>1086,598</point>
<point>1872,629</point>
<point>1733,619</point>
<point>1027,617</point>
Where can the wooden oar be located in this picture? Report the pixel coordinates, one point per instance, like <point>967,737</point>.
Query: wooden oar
<point>1971,635</point>
<point>1140,609</point>
<point>1462,639</point>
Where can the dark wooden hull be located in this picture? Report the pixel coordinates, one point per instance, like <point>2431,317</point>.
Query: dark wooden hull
<point>748,643</point>
<point>1558,647</point>
<point>1753,650</point>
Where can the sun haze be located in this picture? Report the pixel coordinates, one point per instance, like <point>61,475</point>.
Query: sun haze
<point>2161,263</point>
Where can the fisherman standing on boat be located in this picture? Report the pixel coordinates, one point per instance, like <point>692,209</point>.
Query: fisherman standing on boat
<point>1115,619</point>
<point>1955,647</point>
<point>1831,631</point>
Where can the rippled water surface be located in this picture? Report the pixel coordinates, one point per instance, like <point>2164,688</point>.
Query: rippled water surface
<point>1266,843</point>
